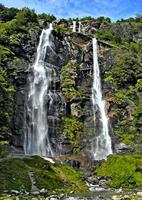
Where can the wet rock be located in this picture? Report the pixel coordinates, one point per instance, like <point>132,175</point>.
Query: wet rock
<point>73,163</point>
<point>123,148</point>
<point>16,192</point>
<point>92,179</point>
<point>42,23</point>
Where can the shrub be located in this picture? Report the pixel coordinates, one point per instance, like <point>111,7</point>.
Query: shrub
<point>48,18</point>
<point>73,128</point>
<point>25,16</point>
<point>123,170</point>
<point>7,14</point>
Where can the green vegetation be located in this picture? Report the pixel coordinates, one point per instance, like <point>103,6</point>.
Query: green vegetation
<point>101,19</point>
<point>15,35</point>
<point>3,151</point>
<point>73,128</point>
<point>125,79</point>
<point>26,16</point>
<point>124,171</point>
<point>68,80</point>
<point>61,28</point>
<point>14,174</point>
<point>7,14</point>
<point>119,33</point>
<point>47,18</point>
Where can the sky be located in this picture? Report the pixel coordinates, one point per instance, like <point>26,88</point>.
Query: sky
<point>115,9</point>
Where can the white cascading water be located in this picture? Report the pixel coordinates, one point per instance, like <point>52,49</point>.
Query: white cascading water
<point>102,147</point>
<point>36,137</point>
<point>80,25</point>
<point>74,26</point>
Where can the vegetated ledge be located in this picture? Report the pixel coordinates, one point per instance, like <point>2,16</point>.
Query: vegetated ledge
<point>32,174</point>
<point>123,171</point>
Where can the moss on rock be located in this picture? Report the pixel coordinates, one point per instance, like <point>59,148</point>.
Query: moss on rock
<point>68,80</point>
<point>73,128</point>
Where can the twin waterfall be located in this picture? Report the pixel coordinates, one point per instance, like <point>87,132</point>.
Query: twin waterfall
<point>102,147</point>
<point>74,27</point>
<point>37,139</point>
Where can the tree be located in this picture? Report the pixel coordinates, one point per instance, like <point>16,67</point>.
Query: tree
<point>104,20</point>
<point>26,16</point>
<point>7,14</point>
<point>48,18</point>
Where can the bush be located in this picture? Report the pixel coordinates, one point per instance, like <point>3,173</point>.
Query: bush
<point>68,79</point>
<point>73,128</point>
<point>7,14</point>
<point>123,170</point>
<point>48,18</point>
<point>25,16</point>
<point>105,35</point>
<point>104,20</point>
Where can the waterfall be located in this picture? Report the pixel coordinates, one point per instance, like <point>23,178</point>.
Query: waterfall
<point>36,135</point>
<point>80,25</point>
<point>102,147</point>
<point>74,26</point>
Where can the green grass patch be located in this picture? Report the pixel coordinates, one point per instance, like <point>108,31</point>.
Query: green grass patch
<point>14,174</point>
<point>125,170</point>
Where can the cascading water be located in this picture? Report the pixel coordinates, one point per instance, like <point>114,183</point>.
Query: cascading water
<point>80,25</point>
<point>74,26</point>
<point>36,136</point>
<point>102,147</point>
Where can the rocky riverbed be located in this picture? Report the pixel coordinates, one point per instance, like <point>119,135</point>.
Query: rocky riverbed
<point>102,194</point>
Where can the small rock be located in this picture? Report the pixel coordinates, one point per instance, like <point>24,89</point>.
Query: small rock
<point>14,191</point>
<point>35,192</point>
<point>123,148</point>
<point>115,197</point>
<point>53,197</point>
<point>43,191</point>
<point>119,190</point>
<point>139,194</point>
<point>93,179</point>
<point>126,197</point>
<point>62,195</point>
<point>5,191</point>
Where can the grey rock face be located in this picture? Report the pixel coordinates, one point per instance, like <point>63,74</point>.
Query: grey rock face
<point>65,48</point>
<point>123,148</point>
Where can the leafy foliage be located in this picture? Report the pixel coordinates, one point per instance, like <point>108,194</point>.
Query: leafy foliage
<point>26,16</point>
<point>68,81</point>
<point>7,14</point>
<point>125,80</point>
<point>73,128</point>
<point>123,170</point>
<point>48,18</point>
